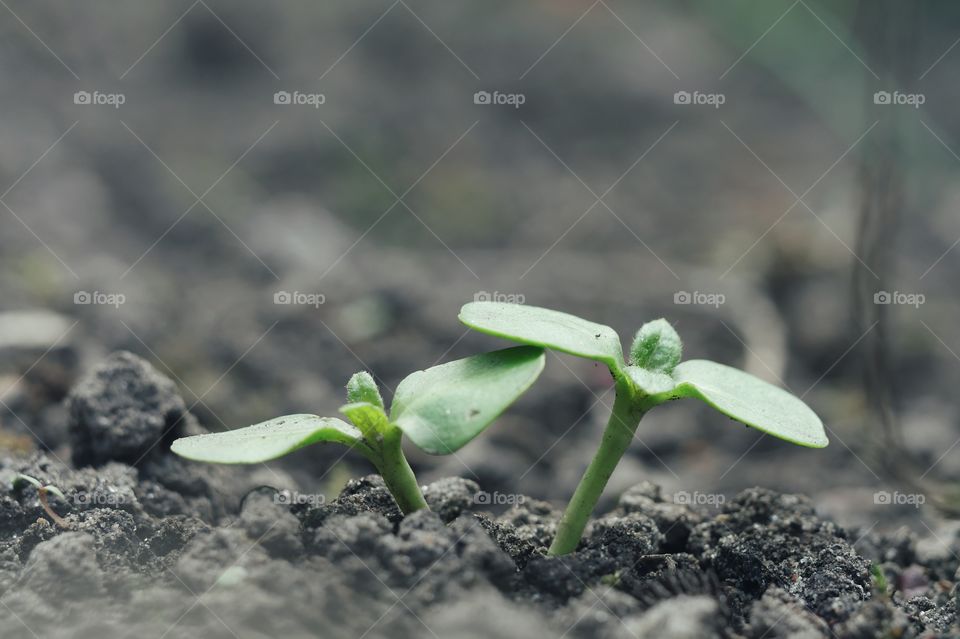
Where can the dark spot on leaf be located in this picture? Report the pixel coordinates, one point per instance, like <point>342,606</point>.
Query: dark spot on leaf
<point>597,336</point>
<point>474,412</point>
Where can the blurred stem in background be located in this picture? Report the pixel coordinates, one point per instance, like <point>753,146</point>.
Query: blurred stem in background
<point>886,36</point>
<point>889,30</point>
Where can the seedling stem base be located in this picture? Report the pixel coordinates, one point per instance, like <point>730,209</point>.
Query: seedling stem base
<point>628,409</point>
<point>397,474</point>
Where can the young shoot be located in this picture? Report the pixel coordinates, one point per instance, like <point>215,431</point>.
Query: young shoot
<point>439,409</point>
<point>653,375</point>
<point>42,491</point>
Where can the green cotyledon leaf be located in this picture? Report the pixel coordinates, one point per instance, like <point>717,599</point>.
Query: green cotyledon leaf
<point>751,401</point>
<point>547,328</point>
<point>267,440</point>
<point>442,408</point>
<point>650,382</point>
<point>370,419</point>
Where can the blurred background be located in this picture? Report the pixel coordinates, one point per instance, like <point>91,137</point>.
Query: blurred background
<point>263,199</point>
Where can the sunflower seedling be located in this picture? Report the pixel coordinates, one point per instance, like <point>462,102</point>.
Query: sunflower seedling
<point>653,375</point>
<point>42,491</point>
<point>440,409</point>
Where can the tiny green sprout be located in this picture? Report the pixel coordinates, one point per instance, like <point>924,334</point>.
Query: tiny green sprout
<point>439,409</point>
<point>42,491</point>
<point>879,579</point>
<point>653,375</point>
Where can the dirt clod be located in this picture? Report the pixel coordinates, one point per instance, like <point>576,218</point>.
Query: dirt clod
<point>122,410</point>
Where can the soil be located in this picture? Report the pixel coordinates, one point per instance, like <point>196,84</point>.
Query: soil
<point>154,545</point>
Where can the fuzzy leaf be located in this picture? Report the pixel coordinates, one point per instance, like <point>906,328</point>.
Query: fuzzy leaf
<point>547,328</point>
<point>368,418</point>
<point>656,347</point>
<point>363,388</point>
<point>650,382</point>
<point>442,408</point>
<point>751,401</point>
<point>267,440</point>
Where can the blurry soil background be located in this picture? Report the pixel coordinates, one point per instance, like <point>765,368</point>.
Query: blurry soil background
<point>252,254</point>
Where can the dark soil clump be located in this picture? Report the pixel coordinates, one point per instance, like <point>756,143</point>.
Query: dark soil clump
<point>153,542</point>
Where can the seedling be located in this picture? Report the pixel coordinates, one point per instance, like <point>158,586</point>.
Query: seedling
<point>879,579</point>
<point>440,409</point>
<point>652,376</point>
<point>42,491</point>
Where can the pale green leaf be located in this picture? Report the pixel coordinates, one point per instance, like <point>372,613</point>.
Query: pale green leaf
<point>267,440</point>
<point>368,418</point>
<point>363,388</point>
<point>656,347</point>
<point>547,328</point>
<point>751,401</point>
<point>55,491</point>
<point>21,479</point>
<point>442,408</point>
<point>650,382</point>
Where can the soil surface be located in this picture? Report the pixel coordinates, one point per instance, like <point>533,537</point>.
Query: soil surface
<point>151,545</point>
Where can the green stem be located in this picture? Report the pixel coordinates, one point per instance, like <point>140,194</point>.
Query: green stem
<point>626,415</point>
<point>397,474</point>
